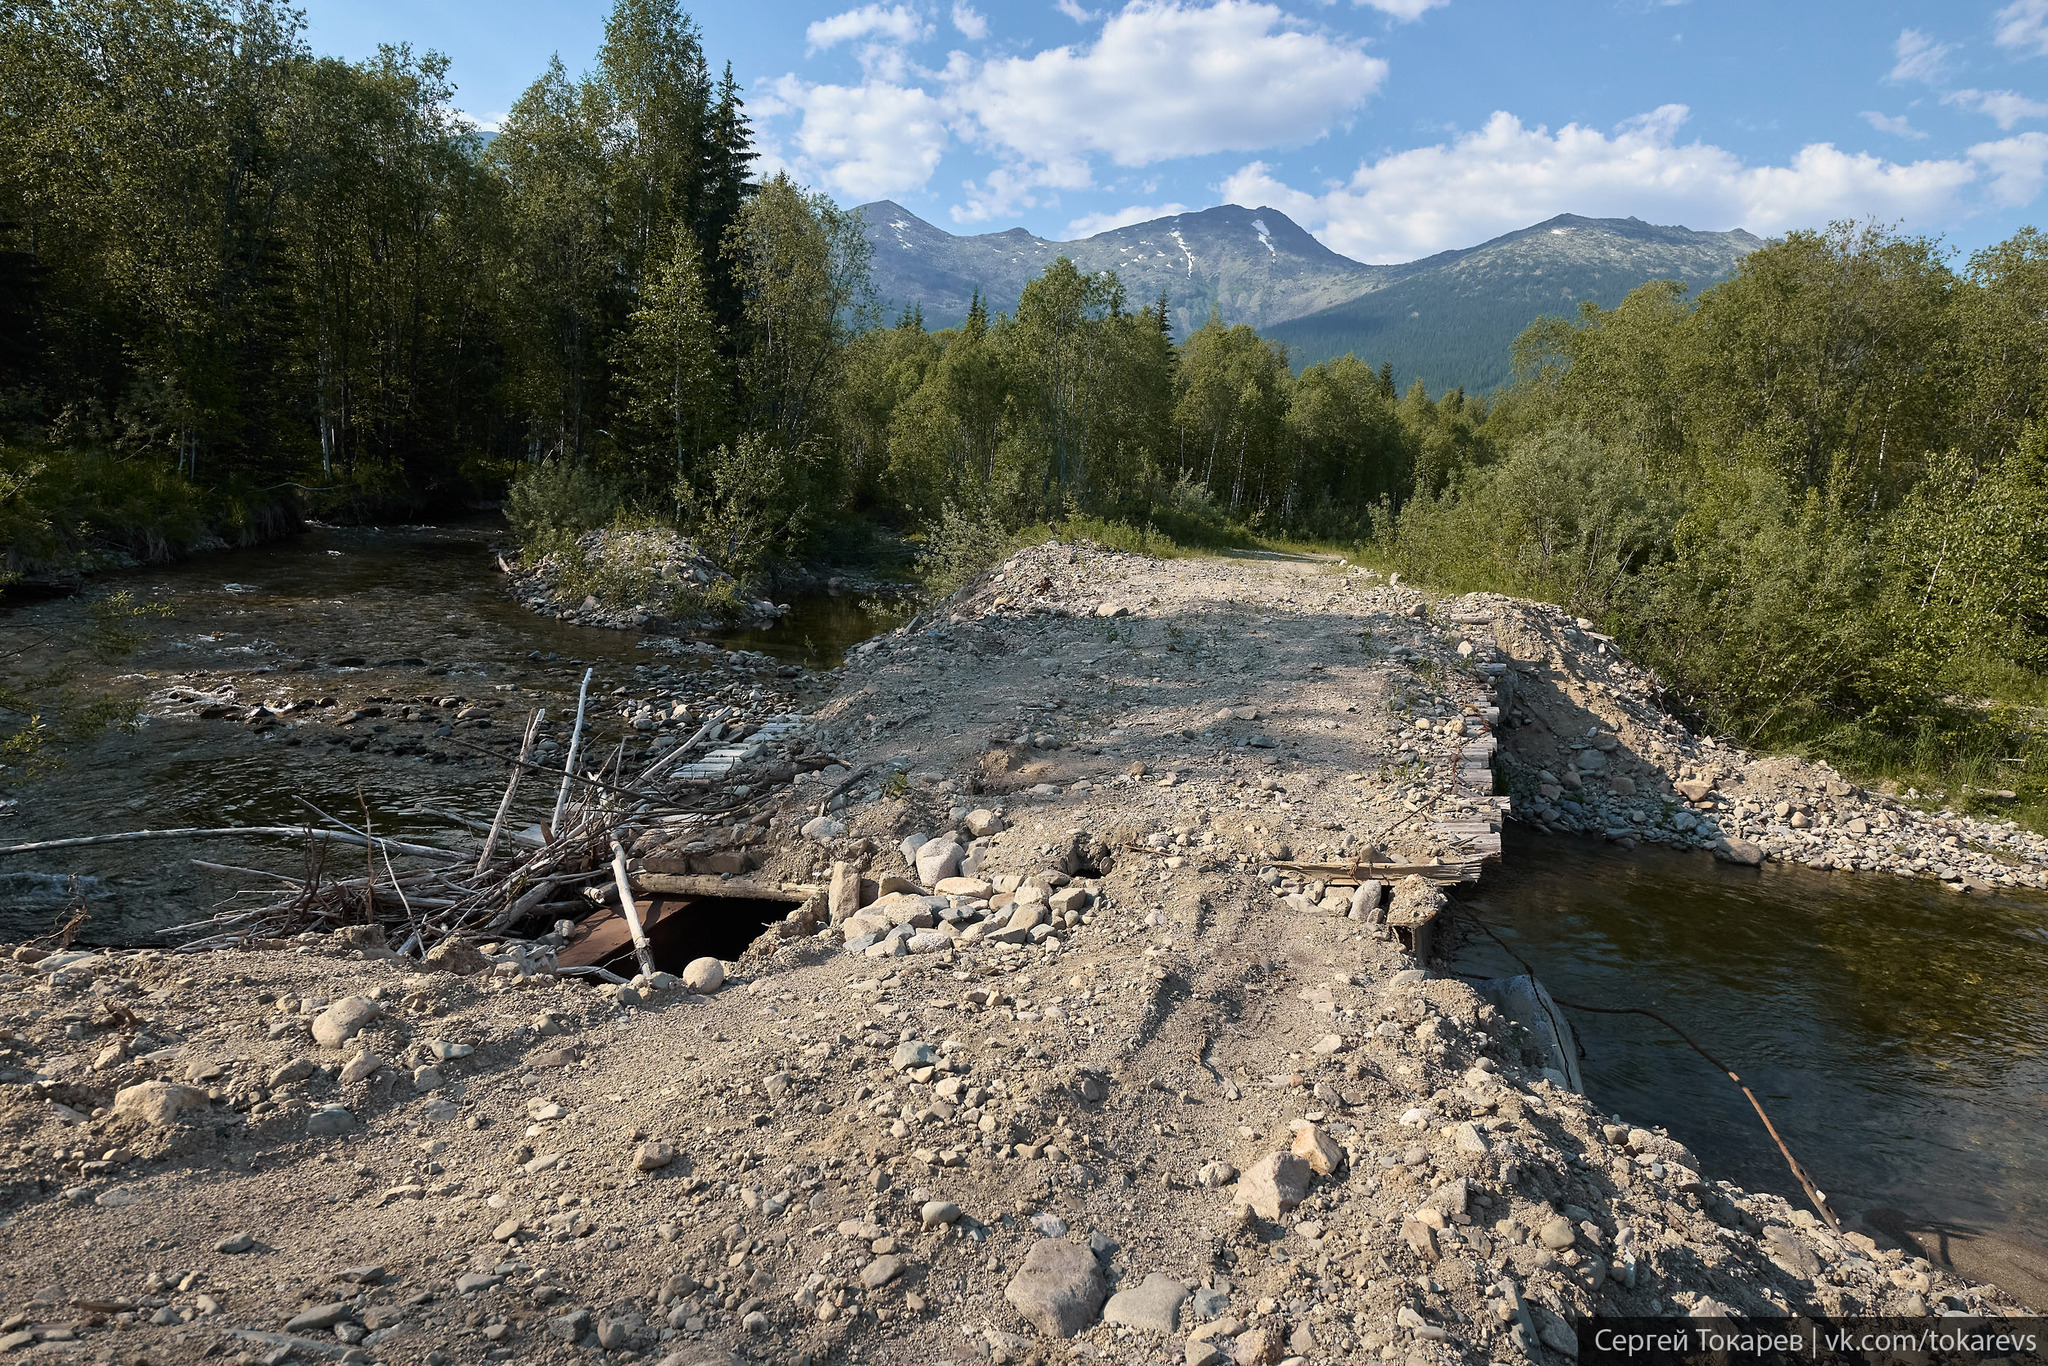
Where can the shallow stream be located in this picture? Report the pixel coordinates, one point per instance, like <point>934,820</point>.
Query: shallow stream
<point>1894,1031</point>
<point>355,614</point>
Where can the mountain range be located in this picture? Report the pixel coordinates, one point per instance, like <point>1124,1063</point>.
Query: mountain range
<point>1448,319</point>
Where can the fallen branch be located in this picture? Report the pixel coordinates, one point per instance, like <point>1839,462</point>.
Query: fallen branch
<point>575,749</point>
<point>642,953</point>
<point>244,831</point>
<point>533,724</point>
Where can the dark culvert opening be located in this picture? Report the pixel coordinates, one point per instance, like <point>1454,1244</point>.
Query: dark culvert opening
<point>680,929</point>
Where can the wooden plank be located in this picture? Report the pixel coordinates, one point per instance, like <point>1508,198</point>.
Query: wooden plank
<point>600,936</point>
<point>708,884</point>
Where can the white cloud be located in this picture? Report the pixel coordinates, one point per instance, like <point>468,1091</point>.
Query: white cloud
<point>972,25</point>
<point>1075,12</point>
<point>1007,189</point>
<point>896,23</point>
<point>2006,107</point>
<point>2018,167</point>
<point>1087,225</point>
<point>1507,175</point>
<point>2024,25</point>
<point>1918,57</point>
<point>1168,80</point>
<point>1895,124</point>
<point>1404,10</point>
<point>865,140</point>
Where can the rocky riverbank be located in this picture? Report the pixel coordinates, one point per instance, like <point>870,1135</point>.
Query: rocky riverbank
<point>650,579</point>
<point>1588,749</point>
<point>1096,1034</point>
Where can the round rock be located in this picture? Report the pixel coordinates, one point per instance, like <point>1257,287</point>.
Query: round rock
<point>704,975</point>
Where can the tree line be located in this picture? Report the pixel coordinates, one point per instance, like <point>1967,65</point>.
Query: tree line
<point>1814,496</point>
<point>238,278</point>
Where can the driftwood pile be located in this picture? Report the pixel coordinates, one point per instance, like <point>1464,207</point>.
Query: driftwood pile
<point>421,896</point>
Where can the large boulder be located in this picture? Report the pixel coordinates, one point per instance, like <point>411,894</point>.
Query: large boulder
<point>843,899</point>
<point>938,859</point>
<point>1060,1288</point>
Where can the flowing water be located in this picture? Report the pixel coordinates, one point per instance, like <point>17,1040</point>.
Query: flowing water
<point>1894,1031</point>
<point>353,614</point>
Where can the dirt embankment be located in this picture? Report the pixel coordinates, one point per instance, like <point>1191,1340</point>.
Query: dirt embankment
<point>1096,1028</point>
<point>1588,749</point>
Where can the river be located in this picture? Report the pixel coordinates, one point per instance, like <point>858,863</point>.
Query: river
<point>1893,1030</point>
<point>356,614</point>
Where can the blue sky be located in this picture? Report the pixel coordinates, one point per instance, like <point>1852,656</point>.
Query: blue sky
<point>1389,128</point>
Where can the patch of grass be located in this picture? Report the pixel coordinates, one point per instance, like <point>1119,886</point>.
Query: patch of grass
<point>1966,760</point>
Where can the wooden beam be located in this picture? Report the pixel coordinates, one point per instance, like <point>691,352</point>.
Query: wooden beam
<point>708,884</point>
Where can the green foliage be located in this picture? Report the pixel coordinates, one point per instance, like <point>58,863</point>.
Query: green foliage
<point>800,263</point>
<point>1814,498</point>
<point>28,751</point>
<point>1558,518</point>
<point>958,546</point>
<point>550,504</point>
<point>1187,515</point>
<point>674,369</point>
<point>753,505</point>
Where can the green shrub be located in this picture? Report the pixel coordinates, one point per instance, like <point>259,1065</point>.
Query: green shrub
<point>550,504</point>
<point>1187,514</point>
<point>958,546</point>
<point>750,504</point>
<point>62,506</point>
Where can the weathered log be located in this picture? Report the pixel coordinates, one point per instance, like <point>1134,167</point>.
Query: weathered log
<point>708,884</point>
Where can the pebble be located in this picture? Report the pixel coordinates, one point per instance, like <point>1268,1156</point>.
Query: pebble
<point>704,975</point>
<point>330,1121</point>
<point>320,1316</point>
